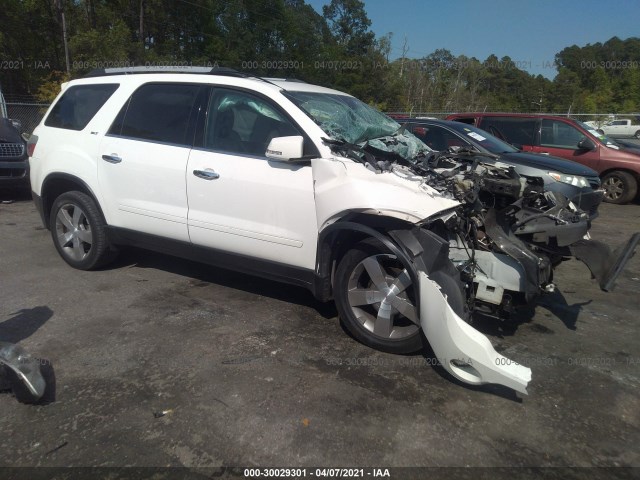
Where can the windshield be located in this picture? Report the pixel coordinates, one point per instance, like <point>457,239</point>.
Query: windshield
<point>484,139</point>
<point>608,141</point>
<point>343,117</point>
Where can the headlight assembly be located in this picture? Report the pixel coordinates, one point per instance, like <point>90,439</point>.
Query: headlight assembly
<point>574,180</point>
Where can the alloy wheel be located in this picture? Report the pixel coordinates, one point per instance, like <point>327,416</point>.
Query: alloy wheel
<point>73,232</point>
<point>381,296</point>
<point>614,188</point>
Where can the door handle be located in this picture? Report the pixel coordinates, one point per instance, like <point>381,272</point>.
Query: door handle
<point>544,153</point>
<point>207,174</point>
<point>112,158</point>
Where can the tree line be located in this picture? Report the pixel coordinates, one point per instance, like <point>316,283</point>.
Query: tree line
<point>45,42</point>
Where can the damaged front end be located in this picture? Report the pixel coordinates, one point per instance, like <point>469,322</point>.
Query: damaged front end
<point>499,246</point>
<point>510,233</point>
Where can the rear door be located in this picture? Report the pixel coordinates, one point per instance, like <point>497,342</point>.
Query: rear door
<point>561,139</point>
<point>143,160</point>
<point>239,200</point>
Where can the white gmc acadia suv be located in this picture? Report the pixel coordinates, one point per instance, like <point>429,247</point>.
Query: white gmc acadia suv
<point>312,187</point>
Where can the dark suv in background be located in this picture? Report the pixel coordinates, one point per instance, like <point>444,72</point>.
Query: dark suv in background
<point>617,165</point>
<point>14,164</point>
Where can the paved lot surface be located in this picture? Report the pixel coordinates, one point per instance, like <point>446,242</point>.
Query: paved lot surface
<point>255,373</point>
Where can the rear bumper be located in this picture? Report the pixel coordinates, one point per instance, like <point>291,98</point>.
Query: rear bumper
<point>14,173</point>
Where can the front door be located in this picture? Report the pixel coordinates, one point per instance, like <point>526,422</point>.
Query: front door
<point>239,200</point>
<point>561,139</point>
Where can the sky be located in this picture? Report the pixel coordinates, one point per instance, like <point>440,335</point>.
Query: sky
<point>530,32</point>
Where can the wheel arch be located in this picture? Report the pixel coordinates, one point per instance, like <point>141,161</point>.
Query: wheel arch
<point>336,239</point>
<point>55,184</point>
<point>634,173</point>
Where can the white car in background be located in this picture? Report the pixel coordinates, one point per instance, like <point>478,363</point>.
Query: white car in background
<point>622,127</point>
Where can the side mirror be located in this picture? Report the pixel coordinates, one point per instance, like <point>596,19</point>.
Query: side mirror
<point>285,149</point>
<point>586,144</point>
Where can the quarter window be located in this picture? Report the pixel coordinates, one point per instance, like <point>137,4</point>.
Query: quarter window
<point>241,123</point>
<point>78,105</point>
<point>158,113</point>
<point>559,135</point>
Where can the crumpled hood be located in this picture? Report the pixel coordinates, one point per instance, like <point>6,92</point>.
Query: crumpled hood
<point>403,143</point>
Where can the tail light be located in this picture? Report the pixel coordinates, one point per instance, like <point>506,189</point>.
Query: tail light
<point>31,145</point>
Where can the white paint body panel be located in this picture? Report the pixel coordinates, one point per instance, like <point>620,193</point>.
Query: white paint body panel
<point>342,185</point>
<point>452,339</point>
<point>257,207</point>
<point>147,191</point>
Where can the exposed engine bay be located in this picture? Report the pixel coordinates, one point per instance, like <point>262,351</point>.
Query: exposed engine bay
<point>502,240</point>
<point>508,233</point>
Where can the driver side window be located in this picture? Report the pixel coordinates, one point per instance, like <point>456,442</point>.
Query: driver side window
<point>559,135</point>
<point>242,123</point>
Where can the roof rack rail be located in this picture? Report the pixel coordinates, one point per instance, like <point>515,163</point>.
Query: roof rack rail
<point>104,72</point>
<point>272,79</point>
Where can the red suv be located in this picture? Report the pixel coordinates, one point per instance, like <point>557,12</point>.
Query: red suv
<point>618,166</point>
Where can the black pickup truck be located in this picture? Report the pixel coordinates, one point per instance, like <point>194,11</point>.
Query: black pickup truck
<point>14,164</point>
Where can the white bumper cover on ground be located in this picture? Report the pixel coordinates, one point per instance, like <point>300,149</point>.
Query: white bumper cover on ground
<point>463,351</point>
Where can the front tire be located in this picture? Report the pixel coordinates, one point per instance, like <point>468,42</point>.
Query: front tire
<point>78,231</point>
<point>620,187</point>
<point>375,298</point>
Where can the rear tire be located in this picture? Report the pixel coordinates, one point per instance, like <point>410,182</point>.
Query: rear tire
<point>78,231</point>
<point>637,135</point>
<point>620,187</point>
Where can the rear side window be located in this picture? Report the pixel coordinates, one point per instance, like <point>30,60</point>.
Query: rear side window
<point>158,113</point>
<point>516,131</point>
<point>78,105</point>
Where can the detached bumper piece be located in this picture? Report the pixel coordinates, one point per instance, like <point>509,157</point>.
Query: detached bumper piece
<point>463,351</point>
<point>25,368</point>
<point>605,265</point>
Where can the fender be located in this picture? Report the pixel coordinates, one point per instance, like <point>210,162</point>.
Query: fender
<point>323,262</point>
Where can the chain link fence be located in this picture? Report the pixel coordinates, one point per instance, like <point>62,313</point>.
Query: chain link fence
<point>28,114</point>
<point>596,119</point>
